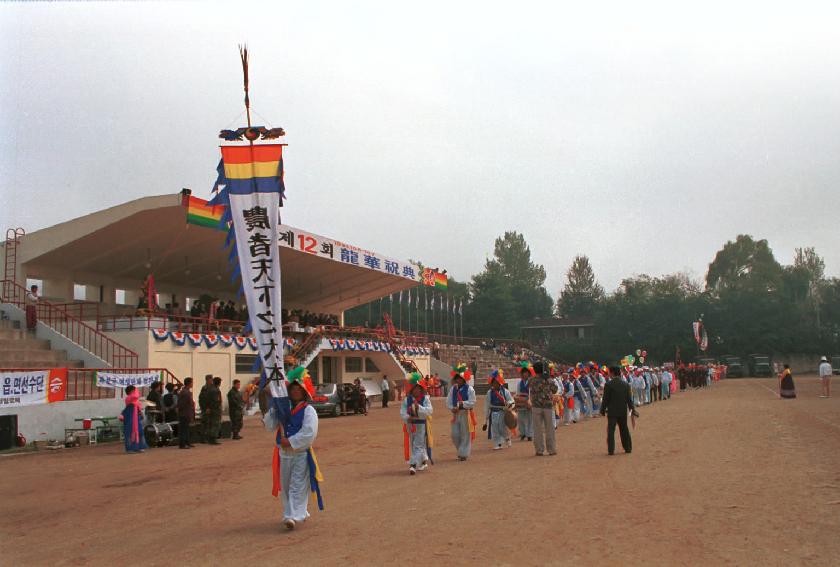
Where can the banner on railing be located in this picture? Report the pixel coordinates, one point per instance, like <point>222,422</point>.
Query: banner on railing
<point>32,387</point>
<point>122,380</point>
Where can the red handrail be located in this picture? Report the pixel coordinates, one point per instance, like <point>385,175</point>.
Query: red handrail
<point>59,320</point>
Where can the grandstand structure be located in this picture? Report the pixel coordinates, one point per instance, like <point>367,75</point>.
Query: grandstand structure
<point>91,271</point>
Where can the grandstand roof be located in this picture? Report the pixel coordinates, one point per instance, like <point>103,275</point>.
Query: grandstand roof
<point>121,241</point>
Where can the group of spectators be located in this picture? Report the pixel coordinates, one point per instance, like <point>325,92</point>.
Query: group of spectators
<point>305,318</point>
<point>177,406</point>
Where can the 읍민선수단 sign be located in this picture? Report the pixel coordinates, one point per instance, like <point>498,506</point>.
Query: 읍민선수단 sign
<point>32,387</point>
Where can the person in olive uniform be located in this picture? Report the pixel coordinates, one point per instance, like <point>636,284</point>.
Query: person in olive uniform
<point>214,411</point>
<point>236,407</point>
<point>616,404</point>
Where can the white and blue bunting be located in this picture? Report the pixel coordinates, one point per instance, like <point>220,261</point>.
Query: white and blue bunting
<point>213,340</point>
<point>374,346</point>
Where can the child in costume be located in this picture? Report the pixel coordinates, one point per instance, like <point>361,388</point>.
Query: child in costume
<point>523,403</point>
<point>497,402</point>
<point>416,412</point>
<point>295,467</point>
<point>461,401</point>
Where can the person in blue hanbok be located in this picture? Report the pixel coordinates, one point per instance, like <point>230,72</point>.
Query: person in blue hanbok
<point>295,468</point>
<point>132,418</point>
<point>498,401</point>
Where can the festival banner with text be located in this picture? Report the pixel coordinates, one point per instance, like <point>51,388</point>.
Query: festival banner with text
<point>122,380</point>
<point>33,387</point>
<point>252,181</point>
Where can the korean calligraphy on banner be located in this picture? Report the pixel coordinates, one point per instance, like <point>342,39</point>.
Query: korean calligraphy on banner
<point>324,247</point>
<point>33,387</point>
<point>255,218</point>
<point>121,380</point>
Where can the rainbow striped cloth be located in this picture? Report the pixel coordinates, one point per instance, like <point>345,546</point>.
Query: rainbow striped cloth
<point>202,214</point>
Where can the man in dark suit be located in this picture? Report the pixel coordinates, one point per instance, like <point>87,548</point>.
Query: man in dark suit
<point>616,403</point>
<point>186,414</point>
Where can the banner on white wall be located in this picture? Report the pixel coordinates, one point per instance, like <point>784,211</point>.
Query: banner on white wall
<point>122,380</point>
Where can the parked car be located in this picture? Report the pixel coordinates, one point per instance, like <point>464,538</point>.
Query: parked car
<point>760,365</point>
<point>327,400</point>
<point>835,364</point>
<point>734,367</point>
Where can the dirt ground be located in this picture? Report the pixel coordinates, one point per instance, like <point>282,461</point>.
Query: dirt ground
<point>727,475</point>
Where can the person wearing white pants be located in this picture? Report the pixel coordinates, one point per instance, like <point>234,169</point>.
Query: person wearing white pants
<point>297,465</point>
<point>415,411</point>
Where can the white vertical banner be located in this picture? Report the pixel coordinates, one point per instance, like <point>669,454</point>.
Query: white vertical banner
<point>256,217</point>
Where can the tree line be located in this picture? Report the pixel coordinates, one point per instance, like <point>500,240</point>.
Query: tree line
<point>749,303</point>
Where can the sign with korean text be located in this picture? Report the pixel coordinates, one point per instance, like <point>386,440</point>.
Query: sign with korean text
<point>32,387</point>
<point>121,380</point>
<point>338,251</point>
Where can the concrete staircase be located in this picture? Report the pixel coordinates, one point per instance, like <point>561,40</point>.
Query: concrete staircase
<point>20,349</point>
<point>487,360</point>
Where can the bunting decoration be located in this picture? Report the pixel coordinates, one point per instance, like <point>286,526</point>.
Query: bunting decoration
<point>213,340</point>
<point>160,334</point>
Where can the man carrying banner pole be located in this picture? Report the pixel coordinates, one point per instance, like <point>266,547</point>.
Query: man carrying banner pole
<point>250,186</point>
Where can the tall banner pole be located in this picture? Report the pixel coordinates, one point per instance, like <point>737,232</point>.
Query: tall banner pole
<point>250,186</point>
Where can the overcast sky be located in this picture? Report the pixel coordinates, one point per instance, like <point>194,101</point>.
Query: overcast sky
<point>642,135</point>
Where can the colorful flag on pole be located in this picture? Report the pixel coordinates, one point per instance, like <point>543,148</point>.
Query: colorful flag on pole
<point>251,191</point>
<point>202,214</point>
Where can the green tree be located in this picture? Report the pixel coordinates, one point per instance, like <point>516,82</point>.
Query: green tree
<point>510,290</point>
<point>745,264</point>
<point>581,292</point>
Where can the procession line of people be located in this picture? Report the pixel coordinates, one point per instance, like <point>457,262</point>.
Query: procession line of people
<point>545,397</point>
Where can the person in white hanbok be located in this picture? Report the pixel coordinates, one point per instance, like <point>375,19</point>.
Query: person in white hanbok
<point>497,402</point>
<point>416,412</point>
<point>461,402</point>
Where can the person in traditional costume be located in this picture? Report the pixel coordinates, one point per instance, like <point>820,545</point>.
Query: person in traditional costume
<point>497,402</point>
<point>132,418</point>
<point>787,389</point>
<point>580,395</point>
<point>416,413</point>
<point>523,402</point>
<point>558,405</point>
<point>461,402</point>
<point>296,471</point>
<point>568,400</point>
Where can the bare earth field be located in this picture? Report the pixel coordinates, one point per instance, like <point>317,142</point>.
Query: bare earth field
<point>724,476</point>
